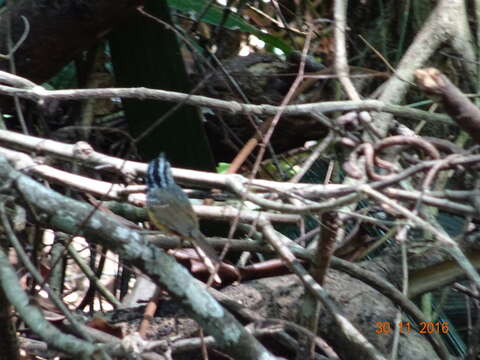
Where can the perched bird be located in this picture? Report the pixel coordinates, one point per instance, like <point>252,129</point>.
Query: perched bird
<point>169,209</point>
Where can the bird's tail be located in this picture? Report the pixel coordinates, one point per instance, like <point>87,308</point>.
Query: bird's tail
<point>207,254</point>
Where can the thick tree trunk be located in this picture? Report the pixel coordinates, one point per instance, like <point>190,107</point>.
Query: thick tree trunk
<point>59,30</point>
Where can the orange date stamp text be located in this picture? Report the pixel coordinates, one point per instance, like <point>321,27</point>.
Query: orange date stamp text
<point>405,327</point>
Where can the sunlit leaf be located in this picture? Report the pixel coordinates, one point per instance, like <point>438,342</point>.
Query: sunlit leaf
<point>215,16</point>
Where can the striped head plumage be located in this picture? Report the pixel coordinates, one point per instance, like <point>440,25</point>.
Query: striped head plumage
<point>159,173</point>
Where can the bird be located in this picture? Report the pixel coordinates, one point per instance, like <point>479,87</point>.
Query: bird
<point>169,209</point>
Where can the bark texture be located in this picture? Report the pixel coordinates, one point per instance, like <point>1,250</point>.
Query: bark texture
<point>59,31</point>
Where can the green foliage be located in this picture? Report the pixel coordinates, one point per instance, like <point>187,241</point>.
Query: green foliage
<point>282,169</point>
<point>215,16</point>
<point>222,167</point>
<point>65,79</point>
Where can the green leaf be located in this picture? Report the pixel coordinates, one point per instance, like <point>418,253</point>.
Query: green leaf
<point>214,16</point>
<point>64,79</point>
<point>222,167</point>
